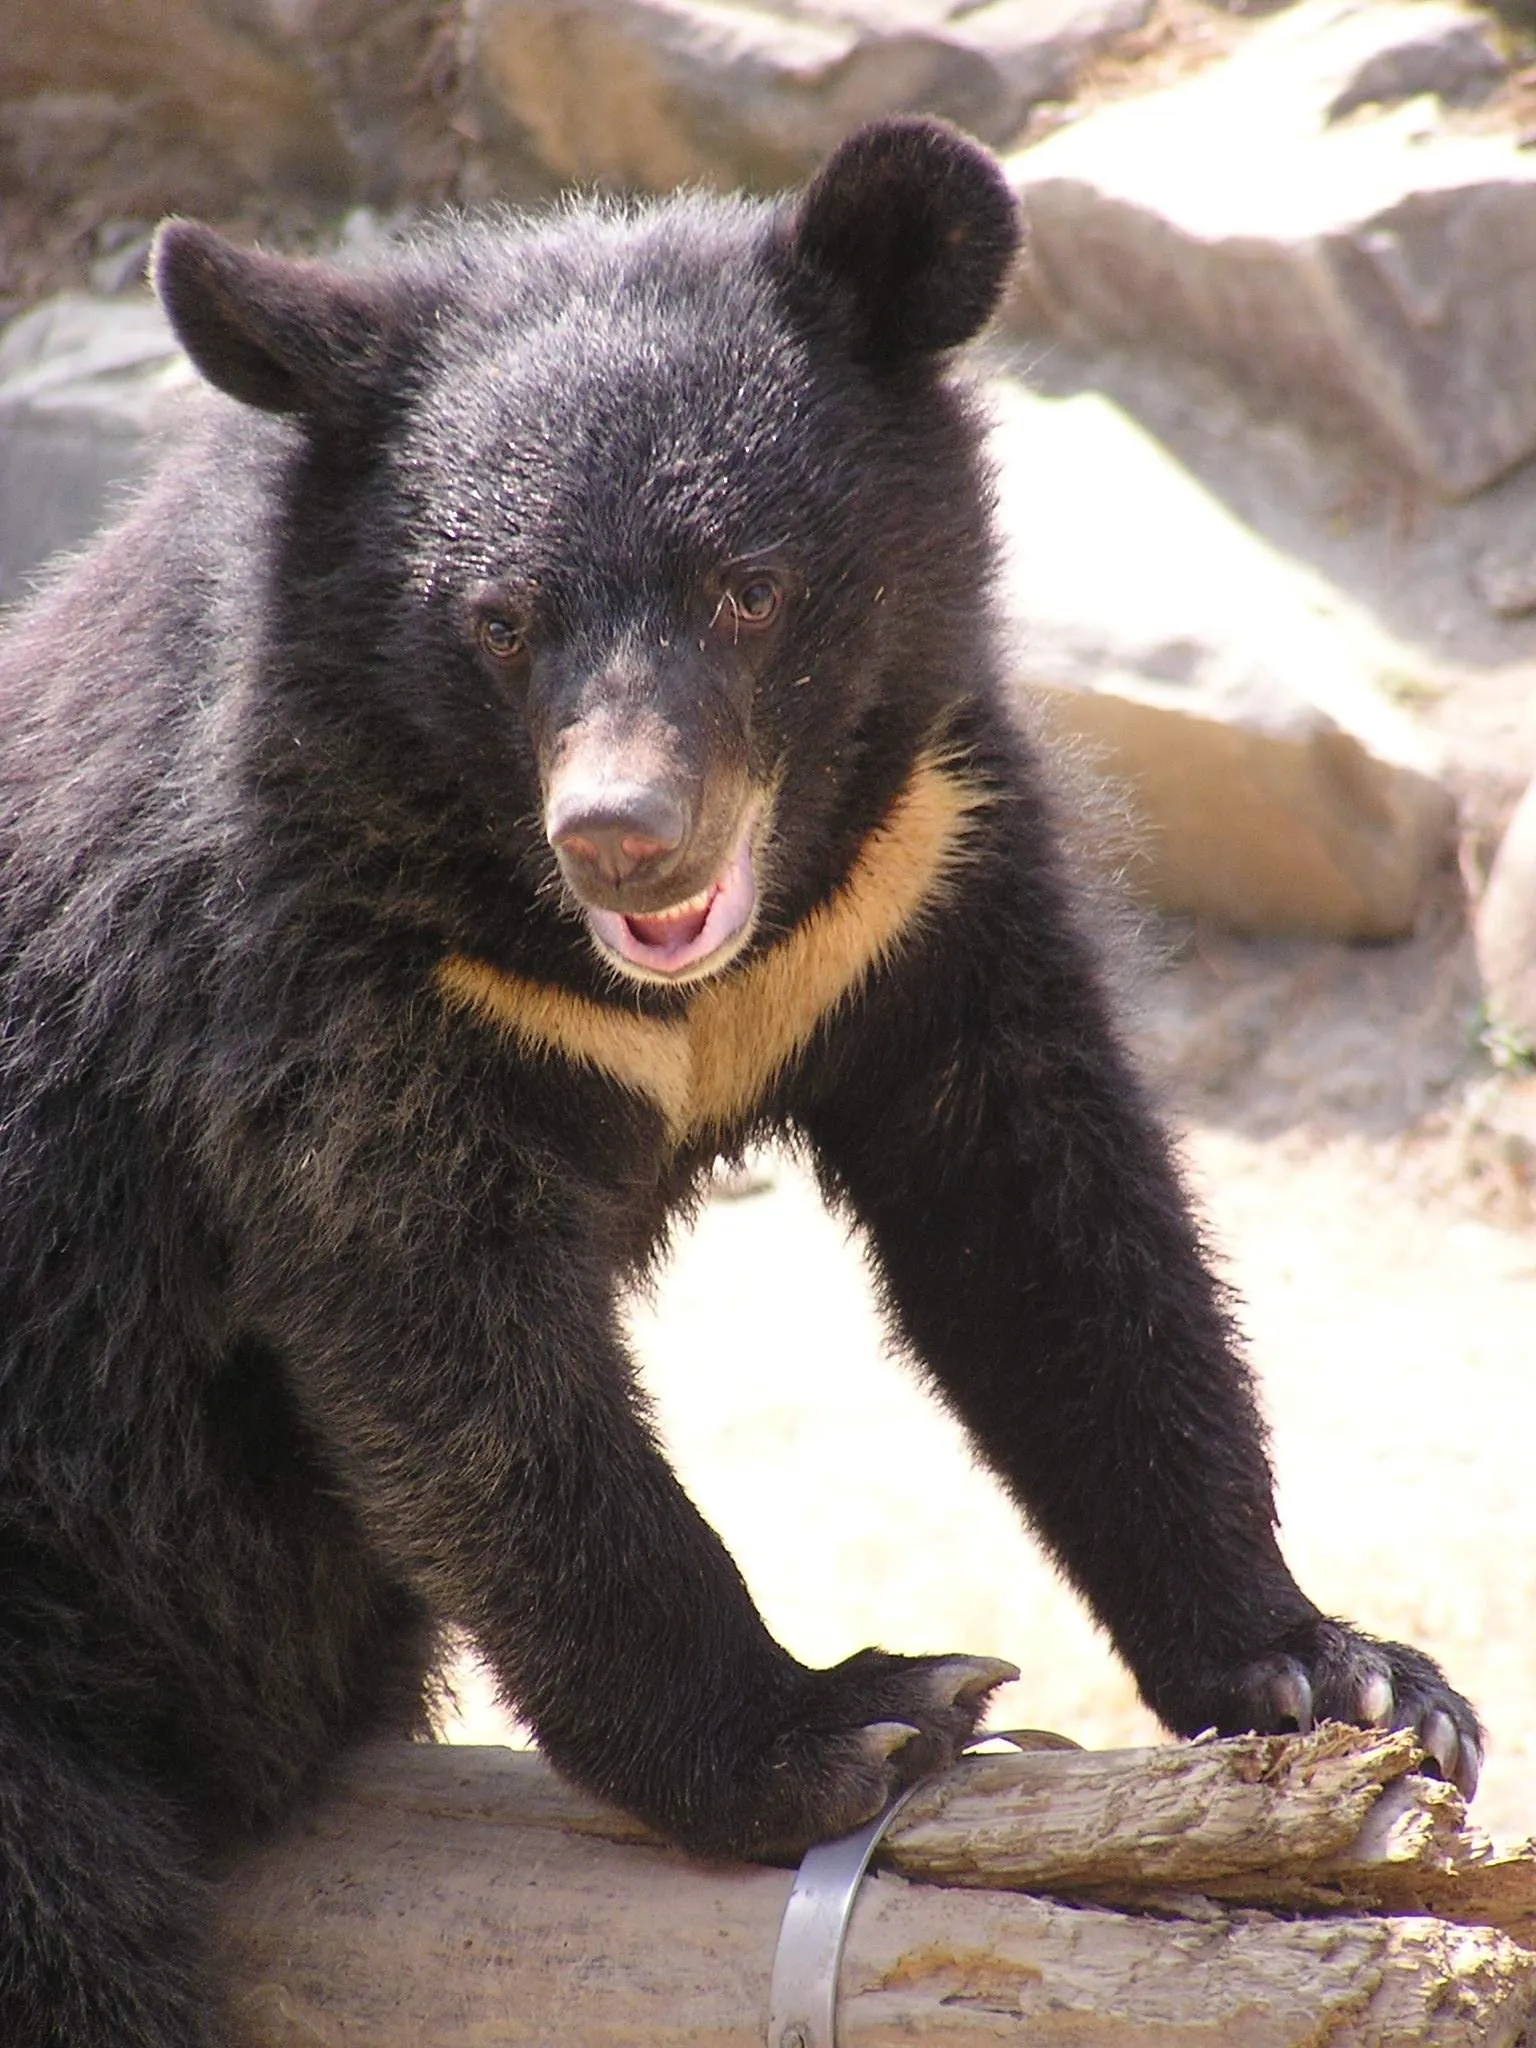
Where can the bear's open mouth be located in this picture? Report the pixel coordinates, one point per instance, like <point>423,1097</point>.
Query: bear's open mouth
<point>694,937</point>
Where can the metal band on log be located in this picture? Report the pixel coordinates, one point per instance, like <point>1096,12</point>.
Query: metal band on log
<point>1264,1892</point>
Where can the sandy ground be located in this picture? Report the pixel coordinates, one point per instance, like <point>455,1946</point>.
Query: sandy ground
<point>1328,1101</point>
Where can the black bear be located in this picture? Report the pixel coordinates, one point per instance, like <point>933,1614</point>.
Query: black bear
<point>542,732</point>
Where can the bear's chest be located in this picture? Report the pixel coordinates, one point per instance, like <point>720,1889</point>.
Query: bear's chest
<point>714,1068</point>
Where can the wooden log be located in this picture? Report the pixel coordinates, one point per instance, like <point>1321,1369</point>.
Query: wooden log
<point>1058,1819</point>
<point>459,1897</point>
<point>1337,1818</point>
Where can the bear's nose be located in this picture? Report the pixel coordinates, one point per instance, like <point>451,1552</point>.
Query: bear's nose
<point>615,831</point>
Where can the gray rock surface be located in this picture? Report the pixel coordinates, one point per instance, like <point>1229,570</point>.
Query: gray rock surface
<point>1233,695</point>
<point>1505,579</point>
<point>652,93</point>
<point>84,386</point>
<point>1376,266</point>
<point>1456,60</point>
<point>1506,935</point>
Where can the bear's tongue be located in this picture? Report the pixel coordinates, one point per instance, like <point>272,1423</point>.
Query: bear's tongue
<point>679,926</point>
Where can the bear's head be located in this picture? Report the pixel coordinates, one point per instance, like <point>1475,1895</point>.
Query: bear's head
<point>659,536</point>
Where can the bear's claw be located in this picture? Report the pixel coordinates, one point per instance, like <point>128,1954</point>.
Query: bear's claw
<point>883,1739</point>
<point>965,1681</point>
<point>1326,1672</point>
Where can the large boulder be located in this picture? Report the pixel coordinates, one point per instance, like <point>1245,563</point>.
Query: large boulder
<point>1274,787</point>
<point>647,94</point>
<point>1307,215</point>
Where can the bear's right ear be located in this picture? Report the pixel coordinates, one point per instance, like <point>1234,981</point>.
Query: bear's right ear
<point>274,331</point>
<point>917,225</point>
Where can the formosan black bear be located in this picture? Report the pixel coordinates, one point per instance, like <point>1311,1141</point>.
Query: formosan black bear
<point>542,732</point>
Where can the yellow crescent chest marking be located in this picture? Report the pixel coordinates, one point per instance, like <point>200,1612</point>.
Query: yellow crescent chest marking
<point>712,1066</point>
<point>646,1056</point>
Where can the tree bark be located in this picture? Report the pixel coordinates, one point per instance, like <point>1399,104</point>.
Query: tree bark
<point>1337,1818</point>
<point>460,1897</point>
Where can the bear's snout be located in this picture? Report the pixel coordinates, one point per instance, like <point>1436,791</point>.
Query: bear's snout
<point>612,834</point>
<point>663,869</point>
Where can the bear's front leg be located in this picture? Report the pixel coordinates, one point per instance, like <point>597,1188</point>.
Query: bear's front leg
<point>622,1631</point>
<point>1038,1257</point>
<point>484,1417</point>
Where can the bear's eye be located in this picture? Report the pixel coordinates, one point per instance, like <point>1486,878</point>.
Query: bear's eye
<point>753,601</point>
<point>503,639</point>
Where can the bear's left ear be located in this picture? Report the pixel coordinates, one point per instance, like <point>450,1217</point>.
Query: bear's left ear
<point>273,331</point>
<point>917,224</point>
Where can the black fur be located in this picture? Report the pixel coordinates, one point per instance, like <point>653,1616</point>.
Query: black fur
<point>555,564</point>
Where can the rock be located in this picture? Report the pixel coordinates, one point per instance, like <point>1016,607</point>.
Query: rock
<point>84,383</point>
<point>1506,937</point>
<point>1505,579</point>
<point>1457,61</point>
<point>1374,269</point>
<point>1232,694</point>
<point>122,256</point>
<point>653,93</point>
<point>188,103</point>
<point>392,74</point>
